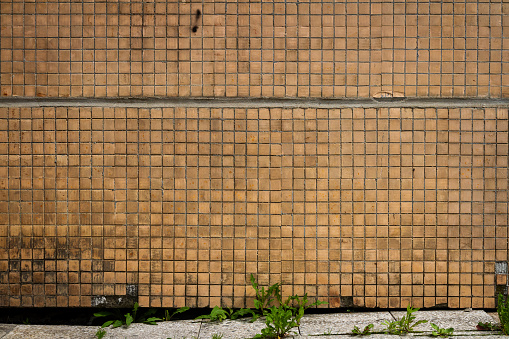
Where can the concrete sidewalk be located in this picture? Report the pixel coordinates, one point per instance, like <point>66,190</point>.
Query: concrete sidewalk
<point>334,325</point>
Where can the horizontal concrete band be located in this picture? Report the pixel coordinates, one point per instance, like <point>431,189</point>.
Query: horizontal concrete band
<point>256,103</point>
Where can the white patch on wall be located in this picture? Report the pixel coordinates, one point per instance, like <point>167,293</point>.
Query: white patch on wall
<point>501,267</point>
<point>98,301</point>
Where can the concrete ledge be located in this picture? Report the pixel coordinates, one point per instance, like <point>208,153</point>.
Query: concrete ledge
<point>401,102</point>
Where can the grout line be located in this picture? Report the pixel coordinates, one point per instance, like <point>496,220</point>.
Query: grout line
<point>254,103</point>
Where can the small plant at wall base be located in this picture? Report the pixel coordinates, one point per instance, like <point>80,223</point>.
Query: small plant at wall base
<point>488,326</point>
<point>168,316</point>
<point>127,319</point>
<point>282,318</point>
<point>100,333</point>
<point>365,331</point>
<point>404,325</point>
<point>263,298</point>
<point>121,319</point>
<point>441,332</point>
<point>279,322</point>
<point>220,314</point>
<point>503,313</point>
<point>299,306</point>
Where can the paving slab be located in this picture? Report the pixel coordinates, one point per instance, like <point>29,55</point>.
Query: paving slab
<point>459,320</point>
<point>51,332</point>
<point>168,329</point>
<point>466,335</point>
<point>232,329</point>
<point>6,328</point>
<point>476,334</point>
<point>348,336</point>
<point>341,323</point>
<point>495,317</point>
<point>313,326</point>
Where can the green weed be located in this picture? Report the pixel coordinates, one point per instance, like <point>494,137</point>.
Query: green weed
<point>279,322</point>
<point>120,319</point>
<point>100,333</point>
<point>127,319</point>
<point>168,316</point>
<point>365,331</point>
<point>219,314</point>
<point>441,332</point>
<point>240,313</point>
<point>298,306</point>
<point>488,326</point>
<point>264,298</point>
<point>503,313</point>
<point>280,319</point>
<point>404,325</point>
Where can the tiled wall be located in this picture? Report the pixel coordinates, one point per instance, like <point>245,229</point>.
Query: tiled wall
<point>173,206</point>
<point>365,207</point>
<point>254,48</point>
